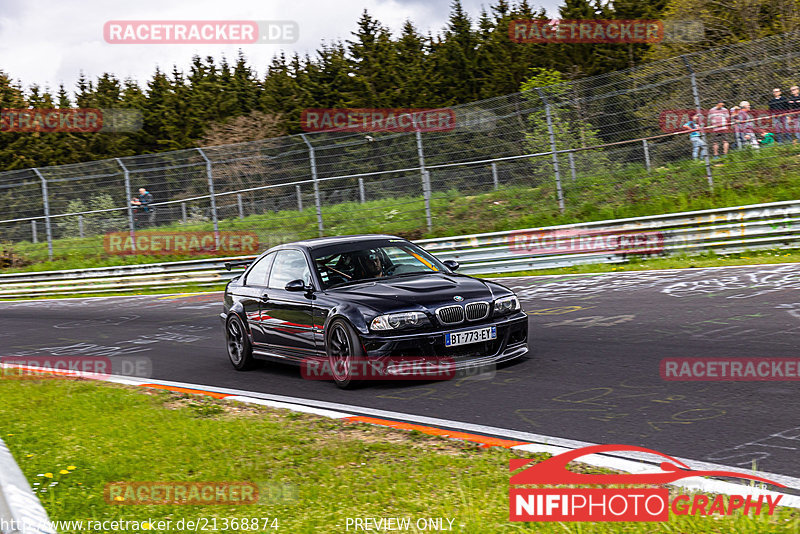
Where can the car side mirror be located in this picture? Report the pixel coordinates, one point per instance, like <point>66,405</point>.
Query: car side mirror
<point>297,286</point>
<point>451,264</point>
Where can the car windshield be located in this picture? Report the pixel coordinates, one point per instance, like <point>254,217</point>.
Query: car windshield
<point>354,262</point>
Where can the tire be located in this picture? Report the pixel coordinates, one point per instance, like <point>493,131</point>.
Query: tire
<point>344,351</point>
<point>240,350</point>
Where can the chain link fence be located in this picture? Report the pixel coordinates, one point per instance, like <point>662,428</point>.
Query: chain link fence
<point>579,150</point>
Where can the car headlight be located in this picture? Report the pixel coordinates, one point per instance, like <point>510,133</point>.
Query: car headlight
<point>506,305</point>
<point>393,321</point>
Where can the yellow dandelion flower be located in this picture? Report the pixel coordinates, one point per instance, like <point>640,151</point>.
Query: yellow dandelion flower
<point>28,456</point>
<point>49,475</point>
<point>146,526</point>
<point>63,472</point>
<point>119,498</point>
<point>71,467</point>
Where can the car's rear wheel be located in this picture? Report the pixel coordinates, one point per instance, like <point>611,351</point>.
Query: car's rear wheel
<point>345,354</point>
<point>240,350</point>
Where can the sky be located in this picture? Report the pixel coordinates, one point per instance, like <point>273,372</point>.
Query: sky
<point>48,42</point>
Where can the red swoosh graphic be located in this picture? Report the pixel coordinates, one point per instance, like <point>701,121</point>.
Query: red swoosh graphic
<point>554,470</point>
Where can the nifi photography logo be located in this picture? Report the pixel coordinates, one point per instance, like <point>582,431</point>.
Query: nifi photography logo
<point>653,503</point>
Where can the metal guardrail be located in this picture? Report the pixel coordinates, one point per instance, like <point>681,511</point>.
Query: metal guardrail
<point>121,270</point>
<point>724,230</point>
<point>121,278</point>
<point>20,510</point>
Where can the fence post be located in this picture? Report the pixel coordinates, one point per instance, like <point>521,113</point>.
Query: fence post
<point>426,181</point>
<point>571,158</point>
<point>33,232</point>
<point>313,158</point>
<point>131,222</point>
<point>299,198</point>
<point>212,197</point>
<point>80,225</point>
<point>696,95</point>
<point>46,203</point>
<point>495,180</point>
<point>361,194</point>
<point>183,212</point>
<point>646,148</point>
<point>241,207</point>
<point>553,148</point>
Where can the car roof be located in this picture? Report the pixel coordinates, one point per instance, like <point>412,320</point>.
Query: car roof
<point>320,242</point>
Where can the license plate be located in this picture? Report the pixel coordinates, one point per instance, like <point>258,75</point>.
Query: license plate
<point>470,336</point>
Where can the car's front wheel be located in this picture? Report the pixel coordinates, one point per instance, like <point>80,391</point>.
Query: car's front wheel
<point>240,350</point>
<point>345,354</point>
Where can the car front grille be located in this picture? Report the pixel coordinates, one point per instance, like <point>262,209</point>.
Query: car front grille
<point>450,314</point>
<point>477,310</point>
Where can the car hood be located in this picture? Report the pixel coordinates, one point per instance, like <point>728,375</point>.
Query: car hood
<point>426,290</point>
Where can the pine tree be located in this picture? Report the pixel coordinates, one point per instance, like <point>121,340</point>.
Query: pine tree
<point>417,80</point>
<point>244,86</point>
<point>281,93</point>
<point>504,62</point>
<point>329,80</point>
<point>455,55</point>
<point>375,71</point>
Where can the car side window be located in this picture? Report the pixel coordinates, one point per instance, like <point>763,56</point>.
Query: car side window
<point>257,275</point>
<point>289,265</point>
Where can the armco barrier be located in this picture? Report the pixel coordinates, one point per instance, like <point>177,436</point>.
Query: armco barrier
<point>20,510</point>
<point>724,230</point>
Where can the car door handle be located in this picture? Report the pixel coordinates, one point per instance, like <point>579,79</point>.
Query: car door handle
<point>264,298</point>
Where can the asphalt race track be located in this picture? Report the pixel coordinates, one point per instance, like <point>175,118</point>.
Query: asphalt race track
<point>593,373</point>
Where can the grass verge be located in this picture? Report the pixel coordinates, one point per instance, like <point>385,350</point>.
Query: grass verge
<point>313,472</point>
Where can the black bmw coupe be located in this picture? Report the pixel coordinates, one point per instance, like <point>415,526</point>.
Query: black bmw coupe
<point>368,298</point>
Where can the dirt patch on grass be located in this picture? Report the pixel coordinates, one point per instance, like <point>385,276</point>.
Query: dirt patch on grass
<point>324,431</point>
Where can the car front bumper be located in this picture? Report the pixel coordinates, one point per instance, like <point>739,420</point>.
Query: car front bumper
<point>429,347</point>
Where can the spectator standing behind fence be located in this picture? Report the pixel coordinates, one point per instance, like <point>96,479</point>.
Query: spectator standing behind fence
<point>746,127</point>
<point>778,106</point>
<point>736,127</point>
<point>698,145</point>
<point>719,119</point>
<point>794,106</point>
<point>142,207</point>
